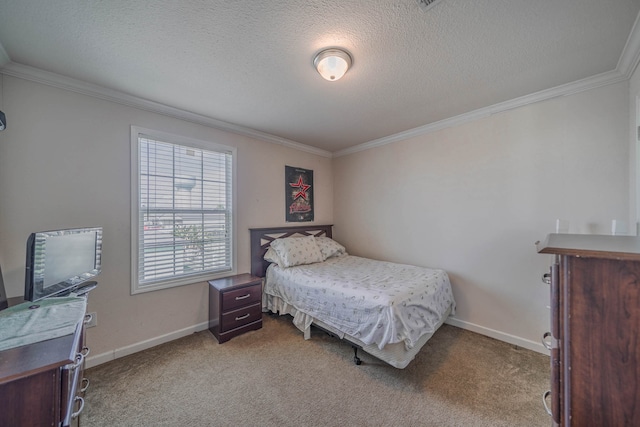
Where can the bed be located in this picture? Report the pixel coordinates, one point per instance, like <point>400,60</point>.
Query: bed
<point>388,310</point>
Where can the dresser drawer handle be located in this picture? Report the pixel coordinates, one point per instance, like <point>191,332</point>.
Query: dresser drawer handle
<point>87,318</point>
<point>546,278</point>
<point>75,414</point>
<point>544,402</point>
<point>545,343</point>
<point>79,360</point>
<point>243,317</point>
<point>85,385</point>
<point>85,351</point>
<point>243,297</point>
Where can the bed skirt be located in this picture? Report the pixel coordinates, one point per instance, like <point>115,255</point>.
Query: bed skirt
<point>396,355</point>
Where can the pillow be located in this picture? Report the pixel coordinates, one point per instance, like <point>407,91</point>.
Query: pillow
<point>297,251</point>
<point>329,247</point>
<point>272,256</point>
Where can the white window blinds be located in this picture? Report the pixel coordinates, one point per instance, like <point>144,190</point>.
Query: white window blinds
<point>184,217</point>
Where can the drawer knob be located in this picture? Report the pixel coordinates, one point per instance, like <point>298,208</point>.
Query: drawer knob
<point>243,297</point>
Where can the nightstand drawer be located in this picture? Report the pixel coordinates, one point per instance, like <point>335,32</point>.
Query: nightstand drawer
<point>235,319</point>
<point>241,297</point>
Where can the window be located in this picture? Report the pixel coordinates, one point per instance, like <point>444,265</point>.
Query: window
<point>182,210</point>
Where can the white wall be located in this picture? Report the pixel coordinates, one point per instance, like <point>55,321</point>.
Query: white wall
<point>634,158</point>
<point>64,162</point>
<point>474,199</point>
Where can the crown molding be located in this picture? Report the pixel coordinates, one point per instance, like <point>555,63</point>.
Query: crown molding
<point>67,83</point>
<point>626,66</point>
<point>589,83</point>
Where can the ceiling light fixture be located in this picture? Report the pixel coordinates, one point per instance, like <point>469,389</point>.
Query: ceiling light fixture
<point>332,64</point>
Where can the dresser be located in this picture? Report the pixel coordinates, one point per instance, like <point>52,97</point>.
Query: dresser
<point>594,336</point>
<point>42,383</point>
<point>235,306</point>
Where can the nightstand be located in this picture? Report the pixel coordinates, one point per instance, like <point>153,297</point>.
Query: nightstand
<point>235,306</point>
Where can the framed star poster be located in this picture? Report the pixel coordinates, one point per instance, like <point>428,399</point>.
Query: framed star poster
<point>298,188</point>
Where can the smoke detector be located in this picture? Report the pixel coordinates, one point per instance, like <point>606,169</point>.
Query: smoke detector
<point>428,4</point>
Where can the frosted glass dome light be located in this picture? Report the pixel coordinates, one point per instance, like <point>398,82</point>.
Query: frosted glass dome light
<point>332,64</point>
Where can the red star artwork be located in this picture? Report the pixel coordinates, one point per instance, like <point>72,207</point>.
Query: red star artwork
<point>302,189</point>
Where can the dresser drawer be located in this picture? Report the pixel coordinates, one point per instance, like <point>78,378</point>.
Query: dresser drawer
<point>236,318</point>
<point>241,297</point>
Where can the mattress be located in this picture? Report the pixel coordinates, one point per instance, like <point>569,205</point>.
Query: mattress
<point>373,302</point>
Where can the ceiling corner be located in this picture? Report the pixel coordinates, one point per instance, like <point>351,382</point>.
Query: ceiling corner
<point>631,53</point>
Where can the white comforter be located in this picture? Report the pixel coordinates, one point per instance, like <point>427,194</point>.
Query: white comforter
<point>377,302</point>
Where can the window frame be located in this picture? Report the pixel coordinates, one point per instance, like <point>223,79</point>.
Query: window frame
<point>136,132</point>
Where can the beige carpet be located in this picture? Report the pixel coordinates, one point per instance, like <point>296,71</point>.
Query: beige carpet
<point>273,377</point>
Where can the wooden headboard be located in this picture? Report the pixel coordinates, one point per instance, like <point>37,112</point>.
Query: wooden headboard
<point>261,238</point>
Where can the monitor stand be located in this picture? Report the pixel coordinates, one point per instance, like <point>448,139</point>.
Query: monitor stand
<point>85,288</point>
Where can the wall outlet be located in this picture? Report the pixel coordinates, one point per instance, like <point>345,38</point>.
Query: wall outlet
<point>93,321</point>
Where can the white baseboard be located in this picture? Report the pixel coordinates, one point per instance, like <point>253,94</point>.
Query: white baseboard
<point>501,336</point>
<point>99,359</point>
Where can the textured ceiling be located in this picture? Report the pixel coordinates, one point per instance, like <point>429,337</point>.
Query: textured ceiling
<point>250,63</point>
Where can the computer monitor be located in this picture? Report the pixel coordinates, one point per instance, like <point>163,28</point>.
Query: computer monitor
<point>60,261</point>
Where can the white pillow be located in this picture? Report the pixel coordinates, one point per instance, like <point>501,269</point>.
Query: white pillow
<point>329,247</point>
<point>297,251</point>
<point>272,256</point>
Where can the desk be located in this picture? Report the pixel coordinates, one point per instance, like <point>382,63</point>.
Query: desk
<point>41,383</point>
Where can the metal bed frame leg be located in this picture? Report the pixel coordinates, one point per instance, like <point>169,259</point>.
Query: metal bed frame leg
<point>356,359</point>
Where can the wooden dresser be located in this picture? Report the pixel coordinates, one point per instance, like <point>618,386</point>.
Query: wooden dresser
<point>235,306</point>
<point>595,330</point>
<point>42,384</point>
